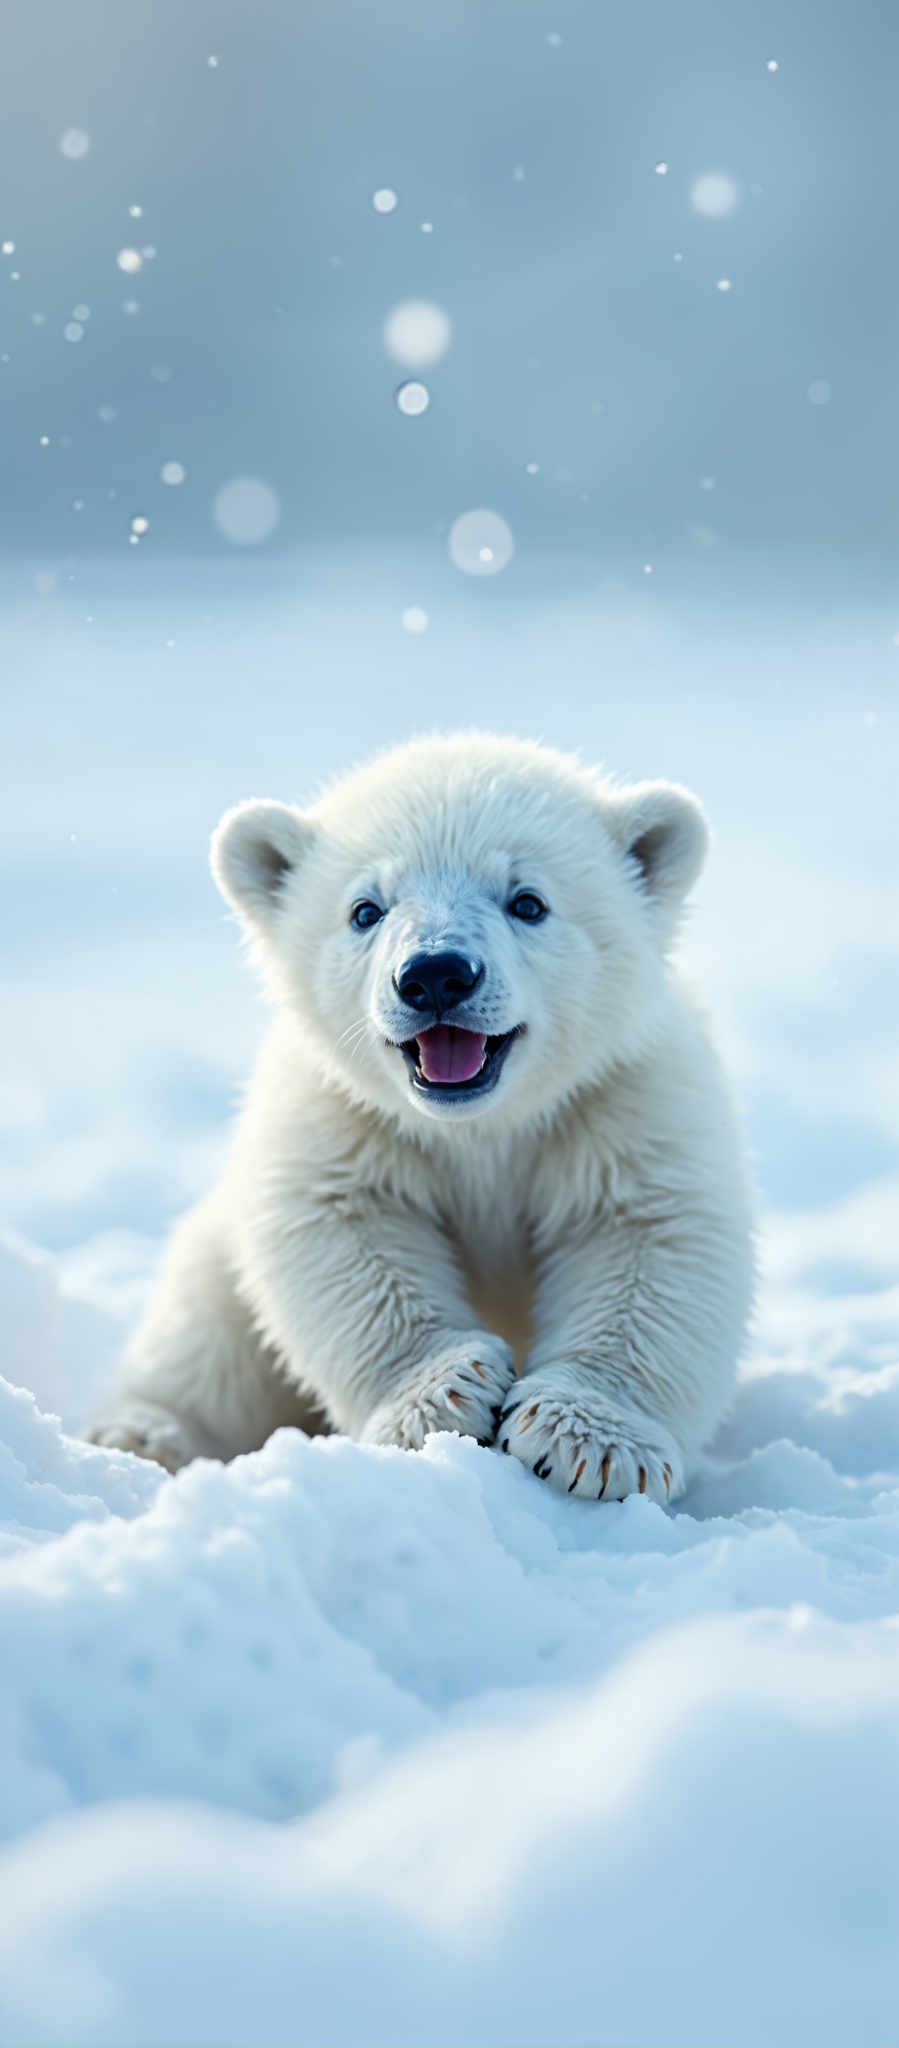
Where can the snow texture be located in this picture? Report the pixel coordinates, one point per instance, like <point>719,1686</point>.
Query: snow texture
<point>346,1744</point>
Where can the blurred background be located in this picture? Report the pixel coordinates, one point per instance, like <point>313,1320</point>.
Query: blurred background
<point>366,369</point>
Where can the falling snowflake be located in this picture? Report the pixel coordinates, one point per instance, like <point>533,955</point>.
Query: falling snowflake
<point>412,398</point>
<point>417,333</point>
<point>246,510</point>
<point>481,543</point>
<point>74,143</point>
<point>714,195</point>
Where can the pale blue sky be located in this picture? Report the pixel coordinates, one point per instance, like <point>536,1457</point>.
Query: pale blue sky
<point>527,136</point>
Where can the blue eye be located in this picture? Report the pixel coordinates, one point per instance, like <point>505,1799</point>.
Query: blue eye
<point>528,907</point>
<point>364,915</point>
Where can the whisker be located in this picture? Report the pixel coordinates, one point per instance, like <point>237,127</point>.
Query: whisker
<point>352,1040</point>
<point>354,1029</point>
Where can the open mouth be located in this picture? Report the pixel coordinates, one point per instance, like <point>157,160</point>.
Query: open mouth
<point>448,1061</point>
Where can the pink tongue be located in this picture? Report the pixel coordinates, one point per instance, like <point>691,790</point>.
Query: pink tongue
<point>450,1054</point>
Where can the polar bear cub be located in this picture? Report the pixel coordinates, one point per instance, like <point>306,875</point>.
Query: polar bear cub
<point>487,1132</point>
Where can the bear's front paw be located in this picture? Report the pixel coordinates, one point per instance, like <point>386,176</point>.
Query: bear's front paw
<point>461,1388</point>
<point>577,1442</point>
<point>149,1432</point>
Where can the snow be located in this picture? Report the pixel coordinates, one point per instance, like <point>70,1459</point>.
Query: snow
<point>246,510</point>
<point>714,194</point>
<point>480,542</point>
<point>412,398</point>
<point>332,1743</point>
<point>417,333</point>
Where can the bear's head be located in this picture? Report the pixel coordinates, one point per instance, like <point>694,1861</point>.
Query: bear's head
<point>467,926</point>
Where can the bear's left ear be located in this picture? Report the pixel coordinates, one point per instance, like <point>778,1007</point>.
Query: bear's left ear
<point>253,854</point>
<point>663,830</point>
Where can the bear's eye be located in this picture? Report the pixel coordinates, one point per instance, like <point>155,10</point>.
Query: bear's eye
<point>528,907</point>
<point>364,915</point>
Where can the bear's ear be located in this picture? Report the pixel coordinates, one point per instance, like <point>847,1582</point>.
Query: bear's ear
<point>663,831</point>
<point>253,853</point>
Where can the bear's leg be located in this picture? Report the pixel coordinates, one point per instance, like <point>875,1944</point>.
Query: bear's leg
<point>366,1299</point>
<point>198,1381</point>
<point>639,1326</point>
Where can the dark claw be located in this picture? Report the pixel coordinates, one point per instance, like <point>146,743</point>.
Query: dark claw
<point>511,1411</point>
<point>505,1443</point>
<point>542,1470</point>
<point>573,1483</point>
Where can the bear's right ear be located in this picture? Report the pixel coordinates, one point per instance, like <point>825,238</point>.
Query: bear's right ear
<point>253,853</point>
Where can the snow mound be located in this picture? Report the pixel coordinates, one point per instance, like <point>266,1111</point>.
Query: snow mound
<point>343,1745</point>
<point>61,1347</point>
<point>49,1482</point>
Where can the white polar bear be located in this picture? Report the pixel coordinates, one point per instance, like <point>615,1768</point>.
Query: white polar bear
<point>488,1129</point>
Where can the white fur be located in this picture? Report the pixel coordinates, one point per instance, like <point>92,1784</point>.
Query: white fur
<point>382,1256</point>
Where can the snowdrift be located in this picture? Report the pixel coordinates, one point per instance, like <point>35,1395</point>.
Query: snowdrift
<point>344,1745</point>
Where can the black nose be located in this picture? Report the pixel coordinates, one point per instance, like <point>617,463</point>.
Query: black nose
<point>437,981</point>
